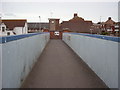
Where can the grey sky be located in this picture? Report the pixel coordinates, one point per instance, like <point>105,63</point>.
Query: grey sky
<point>63,10</point>
<point>119,11</point>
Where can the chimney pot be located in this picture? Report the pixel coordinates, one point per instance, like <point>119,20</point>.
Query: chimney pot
<point>75,14</point>
<point>109,18</point>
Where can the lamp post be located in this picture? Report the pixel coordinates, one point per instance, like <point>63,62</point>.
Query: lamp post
<point>51,14</point>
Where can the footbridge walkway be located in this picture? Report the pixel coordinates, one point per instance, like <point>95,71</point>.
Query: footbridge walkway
<point>77,61</point>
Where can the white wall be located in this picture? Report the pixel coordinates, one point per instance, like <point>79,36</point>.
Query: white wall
<point>19,56</point>
<point>18,30</point>
<point>25,28</point>
<point>100,55</point>
<point>21,30</point>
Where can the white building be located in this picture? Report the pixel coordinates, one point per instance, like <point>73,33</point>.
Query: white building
<point>13,27</point>
<point>3,29</point>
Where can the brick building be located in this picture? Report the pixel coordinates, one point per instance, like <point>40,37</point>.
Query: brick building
<point>55,32</point>
<point>109,27</point>
<point>54,24</point>
<point>109,24</point>
<point>76,24</point>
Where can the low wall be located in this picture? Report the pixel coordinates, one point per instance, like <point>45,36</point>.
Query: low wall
<point>99,52</point>
<point>19,54</point>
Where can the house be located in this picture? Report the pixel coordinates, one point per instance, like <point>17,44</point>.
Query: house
<point>109,25</point>
<point>76,24</point>
<point>37,27</point>
<point>98,27</point>
<point>3,29</point>
<point>112,27</point>
<point>117,29</point>
<point>15,26</point>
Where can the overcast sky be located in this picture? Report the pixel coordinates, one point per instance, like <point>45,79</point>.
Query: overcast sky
<point>63,10</point>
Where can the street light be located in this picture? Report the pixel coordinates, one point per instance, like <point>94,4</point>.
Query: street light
<point>51,14</point>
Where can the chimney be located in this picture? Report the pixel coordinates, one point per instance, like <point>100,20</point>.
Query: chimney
<point>75,15</point>
<point>109,18</point>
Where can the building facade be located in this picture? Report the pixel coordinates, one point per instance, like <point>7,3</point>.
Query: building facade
<point>109,25</point>
<point>76,24</point>
<point>54,24</point>
<point>37,27</point>
<point>54,29</point>
<point>15,26</point>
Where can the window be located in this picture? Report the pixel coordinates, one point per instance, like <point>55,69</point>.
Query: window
<point>52,22</point>
<point>3,29</point>
<point>8,33</point>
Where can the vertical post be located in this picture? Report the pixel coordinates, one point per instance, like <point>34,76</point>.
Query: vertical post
<point>51,14</point>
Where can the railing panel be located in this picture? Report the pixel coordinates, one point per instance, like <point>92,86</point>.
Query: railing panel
<point>19,54</point>
<point>99,52</point>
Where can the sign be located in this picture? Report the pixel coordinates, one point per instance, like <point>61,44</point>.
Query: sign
<point>56,33</point>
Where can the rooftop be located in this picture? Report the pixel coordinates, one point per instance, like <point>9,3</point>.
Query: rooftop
<point>11,23</point>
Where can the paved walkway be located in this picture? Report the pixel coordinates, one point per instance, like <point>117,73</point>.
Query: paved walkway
<point>59,67</point>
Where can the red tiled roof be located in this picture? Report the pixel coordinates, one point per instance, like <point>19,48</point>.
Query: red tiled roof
<point>12,23</point>
<point>77,24</point>
<point>76,19</point>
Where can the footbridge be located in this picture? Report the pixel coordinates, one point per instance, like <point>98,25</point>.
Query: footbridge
<point>75,61</point>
